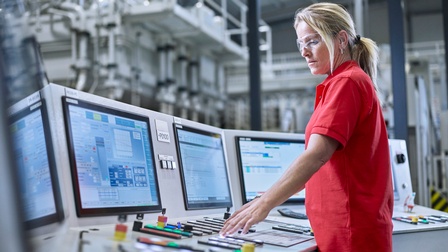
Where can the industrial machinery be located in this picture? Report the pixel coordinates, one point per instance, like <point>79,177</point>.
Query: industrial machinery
<point>166,55</point>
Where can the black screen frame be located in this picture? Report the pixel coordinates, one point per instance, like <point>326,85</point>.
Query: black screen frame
<point>105,211</point>
<point>59,215</point>
<point>200,206</point>
<point>240,165</point>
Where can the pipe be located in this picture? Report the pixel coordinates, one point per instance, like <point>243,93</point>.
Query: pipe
<point>111,62</point>
<point>81,60</point>
<point>96,54</point>
<point>169,54</point>
<point>82,77</point>
<point>111,24</point>
<point>81,24</point>
<point>135,98</point>
<point>162,65</point>
<point>221,85</point>
<point>196,108</point>
<point>83,43</point>
<point>82,74</point>
<point>194,78</point>
<point>182,84</point>
<point>111,46</point>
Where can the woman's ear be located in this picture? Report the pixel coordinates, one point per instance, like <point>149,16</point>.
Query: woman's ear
<point>343,39</point>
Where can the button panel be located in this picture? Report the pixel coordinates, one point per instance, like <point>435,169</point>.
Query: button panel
<point>167,162</point>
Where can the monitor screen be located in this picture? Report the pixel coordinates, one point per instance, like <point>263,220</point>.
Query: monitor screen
<point>262,161</point>
<point>111,158</point>
<point>203,168</point>
<point>38,180</point>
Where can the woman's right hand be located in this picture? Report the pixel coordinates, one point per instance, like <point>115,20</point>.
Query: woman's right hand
<point>247,216</point>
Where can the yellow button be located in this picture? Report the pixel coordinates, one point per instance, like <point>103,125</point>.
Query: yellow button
<point>248,247</point>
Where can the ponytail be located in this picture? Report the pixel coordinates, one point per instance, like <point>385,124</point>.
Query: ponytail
<point>365,52</point>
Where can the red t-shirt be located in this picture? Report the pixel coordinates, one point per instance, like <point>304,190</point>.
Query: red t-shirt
<point>349,201</point>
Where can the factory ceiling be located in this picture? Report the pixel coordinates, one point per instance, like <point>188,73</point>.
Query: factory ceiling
<point>275,11</point>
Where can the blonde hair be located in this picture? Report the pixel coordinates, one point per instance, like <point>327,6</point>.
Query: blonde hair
<point>328,19</point>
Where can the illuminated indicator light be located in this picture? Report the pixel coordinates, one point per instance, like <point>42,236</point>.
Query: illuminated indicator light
<point>160,224</point>
<point>248,247</point>
<point>172,244</point>
<point>120,232</point>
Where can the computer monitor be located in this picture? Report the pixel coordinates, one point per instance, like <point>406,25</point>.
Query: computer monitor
<point>13,232</point>
<point>111,158</point>
<point>38,179</point>
<point>262,161</point>
<point>203,168</point>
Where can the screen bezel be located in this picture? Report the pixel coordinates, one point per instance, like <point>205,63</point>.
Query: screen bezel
<point>58,216</point>
<point>240,164</point>
<point>187,203</point>
<point>105,211</point>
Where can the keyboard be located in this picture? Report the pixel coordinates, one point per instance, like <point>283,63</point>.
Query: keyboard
<point>292,214</point>
<point>206,226</point>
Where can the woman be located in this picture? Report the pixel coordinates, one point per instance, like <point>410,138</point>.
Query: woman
<point>346,165</point>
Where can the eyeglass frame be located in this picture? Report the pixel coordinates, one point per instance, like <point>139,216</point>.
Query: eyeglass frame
<point>310,44</point>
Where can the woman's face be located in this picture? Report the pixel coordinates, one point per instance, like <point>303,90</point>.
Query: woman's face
<point>313,49</point>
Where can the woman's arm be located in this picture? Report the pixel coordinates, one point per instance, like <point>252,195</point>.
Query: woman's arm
<point>319,150</point>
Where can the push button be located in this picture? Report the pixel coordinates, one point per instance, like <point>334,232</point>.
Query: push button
<point>401,158</point>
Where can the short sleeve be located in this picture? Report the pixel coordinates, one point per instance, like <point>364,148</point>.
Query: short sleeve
<point>339,110</point>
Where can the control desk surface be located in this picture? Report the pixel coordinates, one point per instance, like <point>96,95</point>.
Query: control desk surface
<point>101,238</point>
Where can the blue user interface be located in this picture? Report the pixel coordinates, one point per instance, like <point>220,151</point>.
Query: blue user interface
<point>36,171</point>
<point>203,168</point>
<point>113,162</point>
<point>262,161</point>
